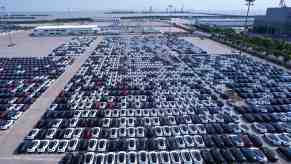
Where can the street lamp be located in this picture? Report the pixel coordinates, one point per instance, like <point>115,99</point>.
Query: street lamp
<point>249,4</point>
<point>170,11</point>
<point>3,9</point>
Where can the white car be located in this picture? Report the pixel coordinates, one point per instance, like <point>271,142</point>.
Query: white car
<point>115,113</point>
<point>131,132</point>
<point>77,114</point>
<point>132,158</point>
<point>100,158</point>
<point>138,112</point>
<point>122,113</point>
<point>199,141</point>
<point>85,113</point>
<point>108,113</point>
<point>33,146</point>
<point>110,158</point>
<point>189,141</point>
<point>73,144</point>
<point>186,157</point>
<point>121,157</point>
<point>140,132</point>
<point>92,145</point>
<point>92,114</point>
<point>63,144</point>
<point>73,122</point>
<point>164,157</point>
<point>53,145</point>
<point>77,132</point>
<point>142,157</point>
<point>42,146</point>
<point>57,123</point>
<point>53,107</point>
<point>192,129</point>
<point>68,133</point>
<point>6,124</point>
<point>196,157</point>
<point>130,113</point>
<point>153,157</point>
<point>106,122</point>
<point>89,158</point>
<point>95,132</point>
<point>32,134</point>
<point>102,145</point>
<point>175,157</point>
<point>51,133</point>
<point>113,132</point>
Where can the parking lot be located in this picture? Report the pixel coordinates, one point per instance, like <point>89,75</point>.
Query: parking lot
<point>142,99</point>
<point>160,99</point>
<point>10,138</point>
<point>75,47</point>
<point>27,46</point>
<point>210,46</point>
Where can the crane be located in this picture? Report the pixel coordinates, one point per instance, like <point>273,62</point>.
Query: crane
<point>282,4</point>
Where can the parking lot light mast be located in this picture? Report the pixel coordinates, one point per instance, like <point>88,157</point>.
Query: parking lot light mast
<point>170,11</point>
<point>2,11</point>
<point>249,4</point>
<point>11,44</point>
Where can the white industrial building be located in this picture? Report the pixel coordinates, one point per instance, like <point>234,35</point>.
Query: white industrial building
<point>65,30</point>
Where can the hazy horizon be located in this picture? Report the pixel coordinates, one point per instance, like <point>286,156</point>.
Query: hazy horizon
<point>136,5</point>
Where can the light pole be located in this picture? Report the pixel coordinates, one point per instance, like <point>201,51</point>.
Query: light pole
<point>170,11</point>
<point>2,11</point>
<point>249,4</point>
<point>11,44</point>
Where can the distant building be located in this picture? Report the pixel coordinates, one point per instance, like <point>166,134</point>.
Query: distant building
<point>108,19</point>
<point>226,22</point>
<point>277,21</point>
<point>65,30</point>
<point>217,22</point>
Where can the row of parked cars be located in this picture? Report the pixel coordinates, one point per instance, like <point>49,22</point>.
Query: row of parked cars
<point>186,156</point>
<point>98,141</point>
<point>22,80</point>
<point>262,89</point>
<point>76,46</point>
<point>139,100</point>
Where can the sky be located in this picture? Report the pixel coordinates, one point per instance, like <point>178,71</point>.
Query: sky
<point>80,5</point>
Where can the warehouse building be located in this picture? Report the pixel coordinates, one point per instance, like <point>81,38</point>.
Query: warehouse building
<point>66,30</point>
<point>277,21</point>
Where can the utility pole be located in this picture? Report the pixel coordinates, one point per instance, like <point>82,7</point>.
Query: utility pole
<point>2,15</point>
<point>11,44</point>
<point>249,4</point>
<point>170,11</point>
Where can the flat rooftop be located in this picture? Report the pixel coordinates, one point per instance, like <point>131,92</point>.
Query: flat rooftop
<point>67,27</point>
